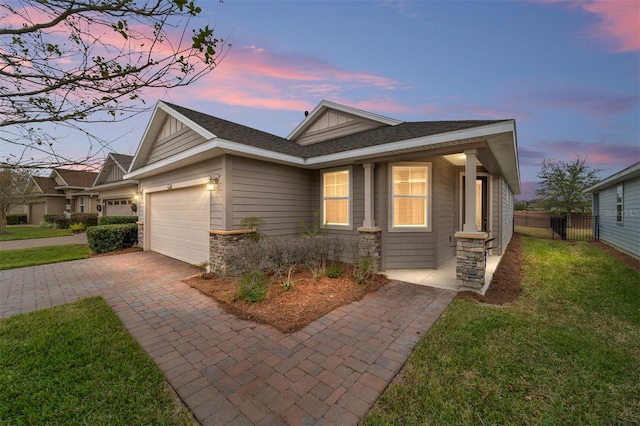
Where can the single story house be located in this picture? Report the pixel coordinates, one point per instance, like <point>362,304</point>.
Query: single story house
<point>64,190</point>
<point>413,194</point>
<point>616,202</point>
<point>116,196</point>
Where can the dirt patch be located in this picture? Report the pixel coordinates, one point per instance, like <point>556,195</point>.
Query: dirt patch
<point>288,310</point>
<point>506,284</point>
<point>628,260</point>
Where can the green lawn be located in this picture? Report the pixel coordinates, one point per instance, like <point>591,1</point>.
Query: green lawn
<point>77,364</point>
<point>29,232</point>
<point>19,258</point>
<point>567,352</point>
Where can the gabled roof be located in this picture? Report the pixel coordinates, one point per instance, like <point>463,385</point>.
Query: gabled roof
<point>326,105</point>
<point>46,185</point>
<point>122,161</point>
<point>633,171</point>
<point>392,137</point>
<point>75,178</point>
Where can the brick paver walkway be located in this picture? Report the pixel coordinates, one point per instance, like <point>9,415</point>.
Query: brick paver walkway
<point>230,371</point>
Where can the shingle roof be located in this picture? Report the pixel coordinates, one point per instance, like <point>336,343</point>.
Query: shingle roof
<point>378,136</point>
<point>77,178</point>
<point>47,185</point>
<point>123,159</point>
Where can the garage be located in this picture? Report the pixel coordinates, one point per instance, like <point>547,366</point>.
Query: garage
<point>36,213</point>
<point>178,223</point>
<point>117,207</point>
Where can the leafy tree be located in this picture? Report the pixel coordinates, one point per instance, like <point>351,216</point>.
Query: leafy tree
<point>75,62</point>
<point>562,184</point>
<point>13,187</point>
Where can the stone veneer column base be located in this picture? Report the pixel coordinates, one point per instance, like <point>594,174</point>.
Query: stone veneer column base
<point>370,244</point>
<point>140,234</point>
<point>470,266</point>
<point>220,245</point>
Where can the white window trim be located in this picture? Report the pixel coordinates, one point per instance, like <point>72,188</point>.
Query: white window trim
<point>620,217</point>
<point>348,226</point>
<point>428,228</point>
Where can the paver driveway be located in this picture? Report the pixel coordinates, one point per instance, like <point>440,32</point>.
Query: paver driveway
<point>230,371</point>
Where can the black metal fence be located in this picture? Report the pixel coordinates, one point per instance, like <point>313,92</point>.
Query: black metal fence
<point>569,227</point>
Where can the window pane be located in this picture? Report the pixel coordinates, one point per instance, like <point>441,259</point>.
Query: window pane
<point>336,184</point>
<point>410,212</point>
<point>410,181</point>
<point>336,212</point>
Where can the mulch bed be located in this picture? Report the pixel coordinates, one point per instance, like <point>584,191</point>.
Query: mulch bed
<point>630,261</point>
<point>293,309</point>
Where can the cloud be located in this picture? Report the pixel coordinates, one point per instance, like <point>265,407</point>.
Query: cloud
<point>250,76</point>
<point>619,21</point>
<point>598,154</point>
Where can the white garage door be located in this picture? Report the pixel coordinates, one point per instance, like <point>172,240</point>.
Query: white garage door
<point>179,223</point>
<point>118,207</point>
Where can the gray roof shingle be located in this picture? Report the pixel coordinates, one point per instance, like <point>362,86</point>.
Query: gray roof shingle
<point>373,137</point>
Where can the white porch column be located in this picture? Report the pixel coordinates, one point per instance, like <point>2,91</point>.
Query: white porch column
<point>470,224</point>
<point>369,220</point>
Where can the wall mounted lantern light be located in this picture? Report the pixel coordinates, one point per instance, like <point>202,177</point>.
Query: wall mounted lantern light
<point>137,195</point>
<point>214,183</point>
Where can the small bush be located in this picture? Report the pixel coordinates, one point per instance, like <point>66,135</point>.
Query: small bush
<point>253,287</point>
<point>77,227</point>
<point>334,271</point>
<point>363,269</point>
<point>247,257</point>
<point>203,269</point>
<point>115,220</point>
<point>51,218</point>
<point>61,223</point>
<point>47,225</point>
<point>16,219</point>
<point>106,238</point>
<point>88,219</point>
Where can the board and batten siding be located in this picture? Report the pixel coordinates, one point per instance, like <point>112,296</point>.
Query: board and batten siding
<point>279,194</point>
<point>173,144</point>
<point>200,170</point>
<point>625,235</point>
<point>334,124</point>
<point>114,175</point>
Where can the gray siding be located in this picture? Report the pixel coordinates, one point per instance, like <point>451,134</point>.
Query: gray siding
<point>281,195</point>
<point>445,218</point>
<point>334,124</point>
<point>625,235</point>
<point>506,223</point>
<point>174,144</point>
<point>196,171</point>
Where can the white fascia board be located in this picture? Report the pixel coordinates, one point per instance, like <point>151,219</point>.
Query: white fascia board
<point>324,105</point>
<point>628,173</point>
<point>118,184</point>
<point>259,152</point>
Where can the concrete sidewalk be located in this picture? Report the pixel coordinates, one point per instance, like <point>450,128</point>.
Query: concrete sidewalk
<point>231,371</point>
<point>80,238</point>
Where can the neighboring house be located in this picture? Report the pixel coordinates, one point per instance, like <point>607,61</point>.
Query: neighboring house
<point>616,202</point>
<point>398,188</point>
<point>63,190</point>
<point>115,194</point>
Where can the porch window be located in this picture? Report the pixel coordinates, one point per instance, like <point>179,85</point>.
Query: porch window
<point>410,195</point>
<point>81,204</point>
<point>619,203</point>
<point>336,197</point>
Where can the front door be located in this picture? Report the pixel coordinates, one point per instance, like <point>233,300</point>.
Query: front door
<point>482,202</point>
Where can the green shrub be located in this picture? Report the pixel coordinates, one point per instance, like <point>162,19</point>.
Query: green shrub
<point>106,238</point>
<point>51,218</point>
<point>334,271</point>
<point>61,223</point>
<point>77,227</point>
<point>253,287</point>
<point>16,219</point>
<point>88,219</point>
<point>114,220</point>
<point>363,269</point>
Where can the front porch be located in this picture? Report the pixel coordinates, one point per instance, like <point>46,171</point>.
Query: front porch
<point>444,277</point>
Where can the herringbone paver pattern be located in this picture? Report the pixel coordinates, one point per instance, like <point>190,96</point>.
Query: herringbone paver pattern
<point>230,371</point>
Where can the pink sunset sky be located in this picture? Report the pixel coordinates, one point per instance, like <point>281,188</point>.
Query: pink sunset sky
<point>567,71</point>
